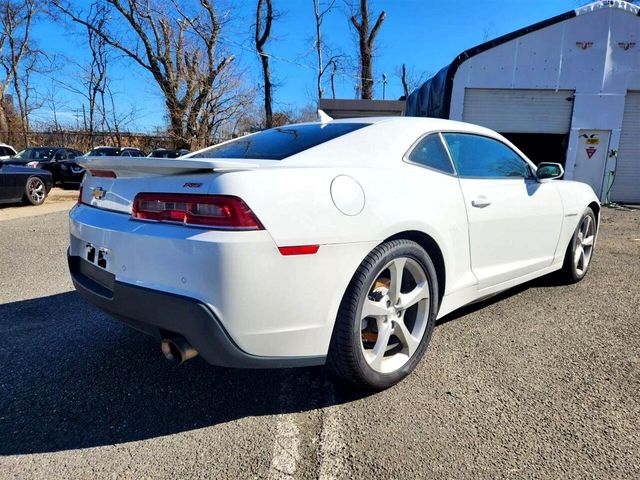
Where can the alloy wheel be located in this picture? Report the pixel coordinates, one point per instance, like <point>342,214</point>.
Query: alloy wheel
<point>394,315</point>
<point>584,245</point>
<point>36,190</point>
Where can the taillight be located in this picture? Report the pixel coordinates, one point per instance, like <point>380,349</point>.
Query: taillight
<point>216,211</point>
<point>79,202</point>
<point>103,173</point>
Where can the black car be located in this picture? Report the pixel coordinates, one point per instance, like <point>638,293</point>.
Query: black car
<point>59,161</point>
<point>115,152</point>
<point>63,167</point>
<point>28,184</point>
<point>33,155</point>
<point>168,153</point>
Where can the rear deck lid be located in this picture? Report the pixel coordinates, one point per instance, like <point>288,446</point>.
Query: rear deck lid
<point>112,183</point>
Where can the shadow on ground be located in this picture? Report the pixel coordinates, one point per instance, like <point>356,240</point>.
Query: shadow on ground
<point>72,377</point>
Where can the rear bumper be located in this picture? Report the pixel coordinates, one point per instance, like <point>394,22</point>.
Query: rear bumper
<point>156,313</point>
<point>269,305</point>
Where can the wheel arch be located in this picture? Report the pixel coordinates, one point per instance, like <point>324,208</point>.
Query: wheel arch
<point>595,206</point>
<point>432,248</point>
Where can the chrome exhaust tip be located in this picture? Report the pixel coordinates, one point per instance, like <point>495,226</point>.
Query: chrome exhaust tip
<point>178,349</point>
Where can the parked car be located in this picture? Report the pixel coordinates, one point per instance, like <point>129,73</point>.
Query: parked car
<point>31,156</point>
<point>64,168</point>
<point>6,151</point>
<point>339,242</point>
<point>57,160</point>
<point>27,184</point>
<point>168,153</point>
<point>115,152</point>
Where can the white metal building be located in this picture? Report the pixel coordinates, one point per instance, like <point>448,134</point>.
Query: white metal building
<point>566,89</point>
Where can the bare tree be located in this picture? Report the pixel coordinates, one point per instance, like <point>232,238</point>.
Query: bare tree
<point>403,78</point>
<point>16,18</point>
<point>261,37</point>
<point>27,98</point>
<point>96,82</point>
<point>181,54</point>
<point>224,110</point>
<point>334,68</point>
<point>410,80</point>
<point>366,39</point>
<point>319,14</point>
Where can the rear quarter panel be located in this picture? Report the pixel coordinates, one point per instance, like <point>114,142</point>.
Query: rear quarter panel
<point>295,205</point>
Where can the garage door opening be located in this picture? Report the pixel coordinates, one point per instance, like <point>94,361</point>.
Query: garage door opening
<point>541,147</point>
<point>536,121</point>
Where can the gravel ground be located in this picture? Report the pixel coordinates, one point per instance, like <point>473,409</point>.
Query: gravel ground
<point>540,382</point>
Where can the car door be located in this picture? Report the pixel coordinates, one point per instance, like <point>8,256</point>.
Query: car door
<point>514,221</point>
<point>4,191</point>
<point>12,182</point>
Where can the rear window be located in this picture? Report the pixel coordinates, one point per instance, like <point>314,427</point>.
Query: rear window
<point>281,142</point>
<point>104,152</point>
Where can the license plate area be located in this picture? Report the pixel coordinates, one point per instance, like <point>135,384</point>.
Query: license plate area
<point>99,256</point>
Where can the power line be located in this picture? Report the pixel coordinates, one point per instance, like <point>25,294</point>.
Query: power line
<point>289,61</point>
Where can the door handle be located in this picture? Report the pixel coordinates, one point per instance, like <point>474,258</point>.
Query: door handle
<point>480,201</point>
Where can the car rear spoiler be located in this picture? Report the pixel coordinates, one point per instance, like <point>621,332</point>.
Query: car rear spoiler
<point>132,166</point>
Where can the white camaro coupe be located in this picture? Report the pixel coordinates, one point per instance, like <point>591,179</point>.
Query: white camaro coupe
<point>339,242</point>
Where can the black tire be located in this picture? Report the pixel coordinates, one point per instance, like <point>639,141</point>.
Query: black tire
<point>35,191</point>
<point>346,358</point>
<point>570,272</point>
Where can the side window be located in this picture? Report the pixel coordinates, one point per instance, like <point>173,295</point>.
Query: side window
<point>431,153</point>
<point>477,156</point>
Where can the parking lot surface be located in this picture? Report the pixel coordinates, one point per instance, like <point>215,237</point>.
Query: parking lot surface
<point>539,382</point>
<point>58,200</point>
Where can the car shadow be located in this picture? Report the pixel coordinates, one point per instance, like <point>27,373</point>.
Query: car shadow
<point>72,377</point>
<point>550,280</point>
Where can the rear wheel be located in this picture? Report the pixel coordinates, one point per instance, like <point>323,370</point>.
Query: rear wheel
<point>580,250</point>
<point>386,317</point>
<point>35,191</point>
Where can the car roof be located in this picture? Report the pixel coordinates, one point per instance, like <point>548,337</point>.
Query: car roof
<point>427,123</point>
<point>382,141</point>
<point>119,148</point>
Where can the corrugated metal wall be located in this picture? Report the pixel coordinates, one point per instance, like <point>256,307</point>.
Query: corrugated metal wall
<point>519,111</point>
<point>627,183</point>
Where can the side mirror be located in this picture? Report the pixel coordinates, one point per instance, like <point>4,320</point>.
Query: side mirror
<point>549,171</point>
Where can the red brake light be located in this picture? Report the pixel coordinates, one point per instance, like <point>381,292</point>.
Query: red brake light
<point>79,202</point>
<point>103,173</point>
<point>299,250</point>
<point>217,211</point>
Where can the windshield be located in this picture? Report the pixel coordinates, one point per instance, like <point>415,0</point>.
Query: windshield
<point>281,142</point>
<point>36,153</point>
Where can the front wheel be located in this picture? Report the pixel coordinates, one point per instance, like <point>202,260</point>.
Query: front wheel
<point>580,250</point>
<point>35,191</point>
<point>386,317</point>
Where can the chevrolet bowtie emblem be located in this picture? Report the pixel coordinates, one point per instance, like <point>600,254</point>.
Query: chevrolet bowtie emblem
<point>98,193</point>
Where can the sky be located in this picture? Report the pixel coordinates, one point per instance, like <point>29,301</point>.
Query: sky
<point>424,34</point>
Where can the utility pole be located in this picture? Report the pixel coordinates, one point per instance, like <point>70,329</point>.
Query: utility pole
<point>384,85</point>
